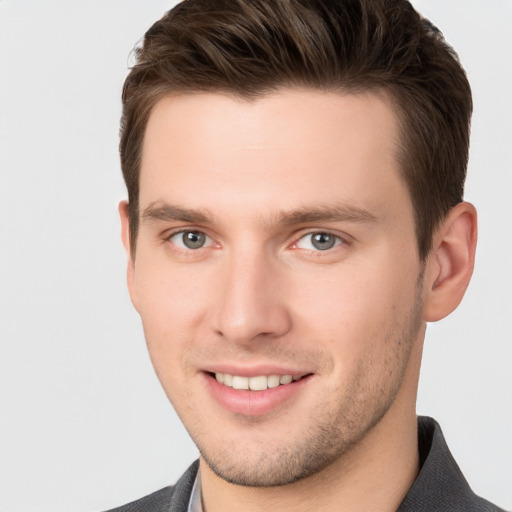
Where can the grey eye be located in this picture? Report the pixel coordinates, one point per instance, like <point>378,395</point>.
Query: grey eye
<point>193,239</point>
<point>190,239</point>
<point>323,241</point>
<point>319,241</point>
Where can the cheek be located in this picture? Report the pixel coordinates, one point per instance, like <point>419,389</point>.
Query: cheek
<point>355,309</point>
<point>171,304</point>
<point>341,301</point>
<point>169,294</point>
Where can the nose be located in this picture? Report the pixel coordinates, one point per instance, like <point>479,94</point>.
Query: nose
<point>251,300</point>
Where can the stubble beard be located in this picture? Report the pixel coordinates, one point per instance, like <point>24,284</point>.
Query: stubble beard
<point>332,432</point>
<point>285,465</point>
<point>336,427</point>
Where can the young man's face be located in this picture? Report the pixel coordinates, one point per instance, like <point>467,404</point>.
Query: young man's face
<point>277,241</point>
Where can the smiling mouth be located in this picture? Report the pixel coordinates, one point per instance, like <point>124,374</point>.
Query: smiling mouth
<point>258,383</point>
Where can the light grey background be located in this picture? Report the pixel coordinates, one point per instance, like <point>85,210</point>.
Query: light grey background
<point>84,424</point>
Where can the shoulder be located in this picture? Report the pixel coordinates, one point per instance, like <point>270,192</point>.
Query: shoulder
<point>173,498</point>
<point>156,501</point>
<point>440,485</point>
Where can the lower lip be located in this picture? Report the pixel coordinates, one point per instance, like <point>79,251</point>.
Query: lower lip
<point>253,403</point>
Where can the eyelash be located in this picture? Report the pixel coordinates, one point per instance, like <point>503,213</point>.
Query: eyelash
<point>338,241</point>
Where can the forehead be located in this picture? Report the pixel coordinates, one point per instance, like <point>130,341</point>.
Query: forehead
<point>273,152</point>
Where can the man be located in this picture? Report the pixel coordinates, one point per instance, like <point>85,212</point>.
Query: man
<point>295,174</point>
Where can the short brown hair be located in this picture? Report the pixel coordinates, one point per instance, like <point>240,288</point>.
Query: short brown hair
<point>250,48</point>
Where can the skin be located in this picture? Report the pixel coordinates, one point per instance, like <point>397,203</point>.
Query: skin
<point>257,179</point>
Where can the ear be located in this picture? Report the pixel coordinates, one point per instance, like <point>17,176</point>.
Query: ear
<point>450,264</point>
<point>125,236</point>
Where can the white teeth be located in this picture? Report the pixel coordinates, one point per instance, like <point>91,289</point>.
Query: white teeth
<point>240,382</point>
<point>285,379</point>
<point>259,383</point>
<point>273,381</point>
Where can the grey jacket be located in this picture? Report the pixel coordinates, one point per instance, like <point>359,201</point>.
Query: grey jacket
<point>439,487</point>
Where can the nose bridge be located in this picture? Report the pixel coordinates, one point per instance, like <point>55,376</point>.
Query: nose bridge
<point>250,302</point>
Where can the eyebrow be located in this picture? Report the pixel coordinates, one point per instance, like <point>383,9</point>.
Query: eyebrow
<point>167,212</point>
<point>326,213</point>
<point>159,211</point>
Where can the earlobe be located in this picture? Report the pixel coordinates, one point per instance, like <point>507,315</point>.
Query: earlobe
<point>450,264</point>
<point>125,236</point>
